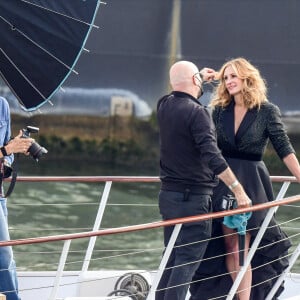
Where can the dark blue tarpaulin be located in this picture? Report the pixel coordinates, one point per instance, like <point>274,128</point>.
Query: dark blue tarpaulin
<point>40,43</point>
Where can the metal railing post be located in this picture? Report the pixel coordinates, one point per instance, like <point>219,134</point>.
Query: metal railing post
<point>164,261</point>
<point>281,278</point>
<point>256,242</point>
<point>60,269</point>
<point>97,224</point>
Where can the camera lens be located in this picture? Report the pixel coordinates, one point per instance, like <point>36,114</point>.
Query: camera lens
<point>36,151</point>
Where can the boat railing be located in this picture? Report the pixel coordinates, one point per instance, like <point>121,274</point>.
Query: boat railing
<point>96,232</point>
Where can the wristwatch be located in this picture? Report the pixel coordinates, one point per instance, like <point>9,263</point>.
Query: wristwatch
<point>233,185</point>
<point>3,151</point>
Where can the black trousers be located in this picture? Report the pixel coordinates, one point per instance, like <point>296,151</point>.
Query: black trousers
<point>190,245</point>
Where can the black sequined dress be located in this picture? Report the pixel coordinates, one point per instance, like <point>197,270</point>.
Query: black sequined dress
<point>243,153</point>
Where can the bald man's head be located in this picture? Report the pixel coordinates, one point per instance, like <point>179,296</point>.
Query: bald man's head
<point>181,77</point>
<point>181,73</point>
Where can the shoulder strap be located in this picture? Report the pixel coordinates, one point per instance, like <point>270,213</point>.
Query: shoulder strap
<point>12,182</point>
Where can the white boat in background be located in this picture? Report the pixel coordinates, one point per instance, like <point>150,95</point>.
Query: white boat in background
<point>138,284</point>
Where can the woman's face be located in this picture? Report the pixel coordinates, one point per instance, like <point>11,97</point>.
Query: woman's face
<point>232,82</point>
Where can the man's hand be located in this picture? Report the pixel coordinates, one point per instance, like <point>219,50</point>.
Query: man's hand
<point>242,198</point>
<point>230,180</point>
<point>208,74</point>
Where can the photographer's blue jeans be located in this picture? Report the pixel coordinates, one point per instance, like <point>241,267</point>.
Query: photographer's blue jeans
<point>175,281</point>
<point>8,275</point>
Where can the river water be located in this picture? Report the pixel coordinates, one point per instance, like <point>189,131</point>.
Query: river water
<point>42,209</point>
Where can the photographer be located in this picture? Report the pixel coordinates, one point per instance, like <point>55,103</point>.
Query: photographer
<point>8,277</point>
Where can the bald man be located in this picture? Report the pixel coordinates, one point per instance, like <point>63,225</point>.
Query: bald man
<point>190,164</point>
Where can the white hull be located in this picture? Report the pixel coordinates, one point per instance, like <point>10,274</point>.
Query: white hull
<point>74,284</point>
<point>98,284</point>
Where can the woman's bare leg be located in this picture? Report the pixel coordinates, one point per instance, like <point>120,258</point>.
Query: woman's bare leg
<point>232,261</point>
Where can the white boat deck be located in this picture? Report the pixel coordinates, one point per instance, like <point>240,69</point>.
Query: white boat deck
<point>96,285</point>
<point>86,284</point>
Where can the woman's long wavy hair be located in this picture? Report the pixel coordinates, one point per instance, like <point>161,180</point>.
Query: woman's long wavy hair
<point>254,90</point>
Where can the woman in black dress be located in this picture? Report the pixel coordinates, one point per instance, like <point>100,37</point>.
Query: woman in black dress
<point>245,121</point>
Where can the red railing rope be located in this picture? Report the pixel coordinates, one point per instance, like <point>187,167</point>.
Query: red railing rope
<point>153,225</point>
<point>114,178</point>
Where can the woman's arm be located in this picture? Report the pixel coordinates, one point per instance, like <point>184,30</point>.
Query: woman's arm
<point>292,164</point>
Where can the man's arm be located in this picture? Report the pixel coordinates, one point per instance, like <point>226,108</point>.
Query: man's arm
<point>230,180</point>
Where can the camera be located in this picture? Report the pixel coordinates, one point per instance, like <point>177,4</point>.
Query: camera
<point>35,150</point>
<point>228,202</point>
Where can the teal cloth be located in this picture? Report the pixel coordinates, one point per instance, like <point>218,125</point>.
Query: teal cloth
<point>238,221</point>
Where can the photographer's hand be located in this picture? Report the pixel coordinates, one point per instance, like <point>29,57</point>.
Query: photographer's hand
<point>18,145</point>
